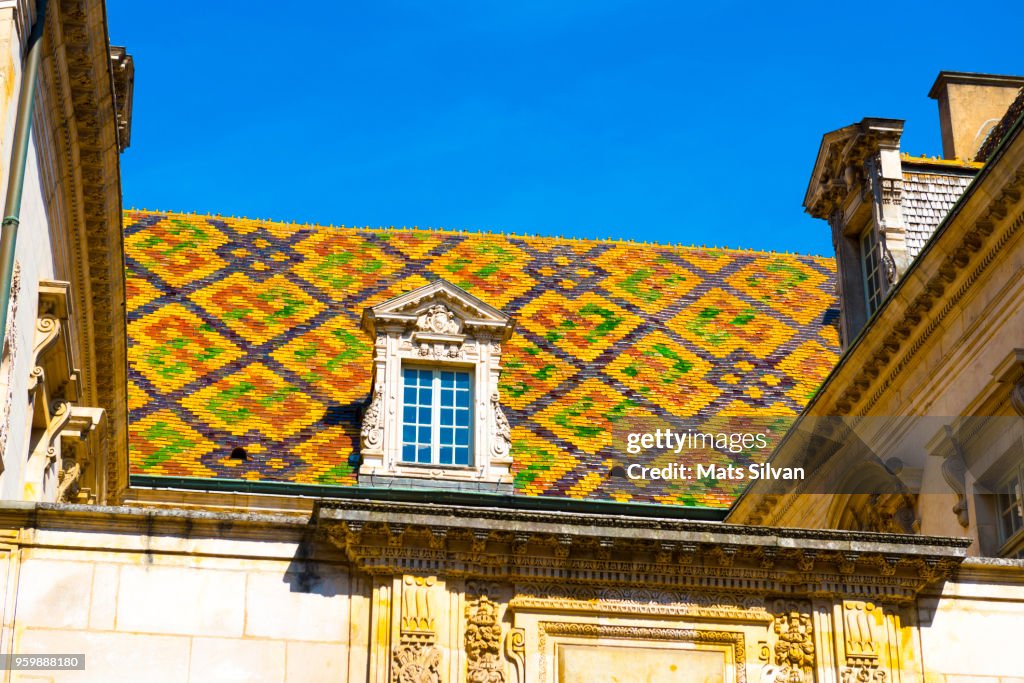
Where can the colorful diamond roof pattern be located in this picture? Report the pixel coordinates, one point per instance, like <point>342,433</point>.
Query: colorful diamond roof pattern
<point>245,333</point>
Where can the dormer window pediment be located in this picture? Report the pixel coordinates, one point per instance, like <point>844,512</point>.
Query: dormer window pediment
<point>435,411</point>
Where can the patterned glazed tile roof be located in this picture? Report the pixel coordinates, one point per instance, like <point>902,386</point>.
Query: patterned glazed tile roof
<point>929,191</point>
<point>246,333</point>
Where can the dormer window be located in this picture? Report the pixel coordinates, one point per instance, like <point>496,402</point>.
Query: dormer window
<point>871,269</point>
<point>434,416</point>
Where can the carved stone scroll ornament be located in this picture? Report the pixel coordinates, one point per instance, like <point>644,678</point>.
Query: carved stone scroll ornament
<point>372,432</point>
<point>515,651</point>
<point>483,642</point>
<point>502,443</point>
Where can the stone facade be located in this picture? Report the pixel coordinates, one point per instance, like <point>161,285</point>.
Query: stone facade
<point>557,578</point>
<point>382,591</point>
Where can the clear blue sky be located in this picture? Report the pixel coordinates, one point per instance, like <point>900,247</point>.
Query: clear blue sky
<point>657,121</point>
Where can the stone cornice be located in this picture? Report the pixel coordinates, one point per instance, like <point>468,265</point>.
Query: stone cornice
<point>86,139</point>
<point>583,524</point>
<point>145,522</point>
<point>388,538</point>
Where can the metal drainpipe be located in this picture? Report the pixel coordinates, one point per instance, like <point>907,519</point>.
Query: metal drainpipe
<point>19,157</point>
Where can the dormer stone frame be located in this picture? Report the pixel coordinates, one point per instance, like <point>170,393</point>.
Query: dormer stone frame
<point>857,186</point>
<point>439,326</point>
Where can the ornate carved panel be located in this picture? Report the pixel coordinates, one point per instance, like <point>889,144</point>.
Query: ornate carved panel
<point>416,658</point>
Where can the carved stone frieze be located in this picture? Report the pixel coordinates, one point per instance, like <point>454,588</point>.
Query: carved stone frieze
<point>646,601</point>
<point>473,542</point>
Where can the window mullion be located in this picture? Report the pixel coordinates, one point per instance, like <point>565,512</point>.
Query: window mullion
<point>435,417</point>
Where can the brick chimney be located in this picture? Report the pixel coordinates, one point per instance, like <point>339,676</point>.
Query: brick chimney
<point>969,106</point>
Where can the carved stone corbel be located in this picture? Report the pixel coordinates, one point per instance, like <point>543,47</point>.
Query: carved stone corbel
<point>954,471</point>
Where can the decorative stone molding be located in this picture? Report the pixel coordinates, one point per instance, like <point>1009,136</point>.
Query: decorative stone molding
<point>416,663</point>
<point>501,443</point>
<point>640,601</point>
<point>443,326</point>
<point>418,612</point>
